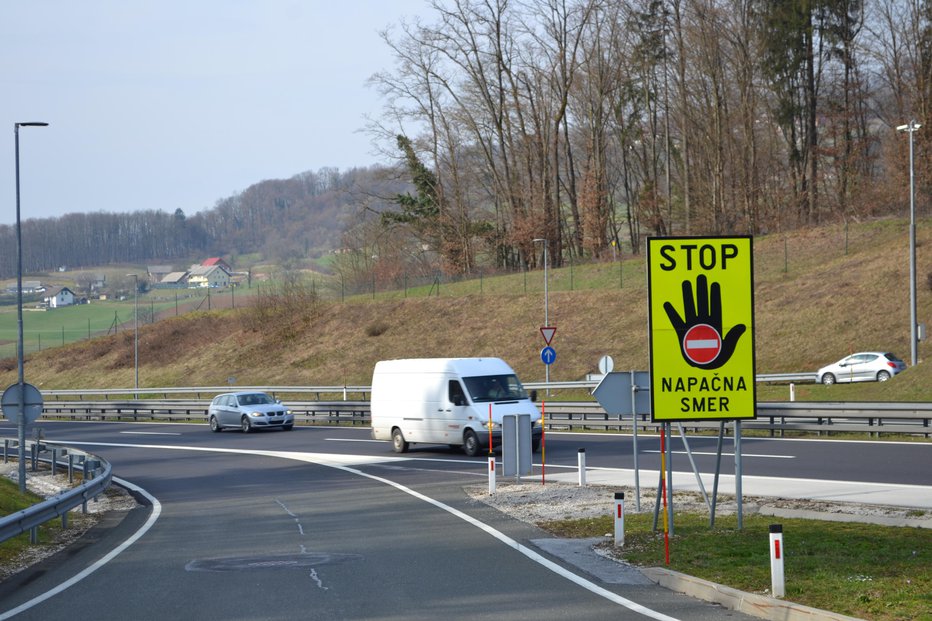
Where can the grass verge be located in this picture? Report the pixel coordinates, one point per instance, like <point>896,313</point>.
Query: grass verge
<point>11,501</point>
<point>862,570</point>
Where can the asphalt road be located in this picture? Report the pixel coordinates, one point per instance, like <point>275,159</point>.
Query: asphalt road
<point>321,523</point>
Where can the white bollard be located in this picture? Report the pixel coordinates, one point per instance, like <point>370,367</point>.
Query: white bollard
<point>777,586</point>
<point>491,474</point>
<point>792,391</point>
<point>582,467</point>
<point>619,518</point>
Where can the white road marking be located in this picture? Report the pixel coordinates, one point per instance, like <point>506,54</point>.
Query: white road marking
<point>150,433</point>
<point>728,454</point>
<point>337,461</point>
<point>156,511</point>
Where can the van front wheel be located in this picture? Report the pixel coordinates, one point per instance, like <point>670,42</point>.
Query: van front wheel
<point>399,444</point>
<point>470,443</point>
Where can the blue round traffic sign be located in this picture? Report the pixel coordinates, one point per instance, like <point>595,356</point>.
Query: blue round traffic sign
<point>548,355</point>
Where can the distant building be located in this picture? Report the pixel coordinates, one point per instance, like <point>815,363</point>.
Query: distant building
<point>208,276</point>
<point>158,272</point>
<point>219,262</point>
<point>30,287</point>
<point>61,296</point>
<point>174,280</point>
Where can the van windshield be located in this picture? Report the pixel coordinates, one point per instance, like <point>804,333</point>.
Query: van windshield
<point>494,388</point>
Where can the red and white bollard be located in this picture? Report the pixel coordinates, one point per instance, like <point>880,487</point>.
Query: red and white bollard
<point>619,515</point>
<point>491,474</point>
<point>777,586</point>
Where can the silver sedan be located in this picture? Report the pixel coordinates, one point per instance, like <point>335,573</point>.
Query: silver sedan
<point>247,411</point>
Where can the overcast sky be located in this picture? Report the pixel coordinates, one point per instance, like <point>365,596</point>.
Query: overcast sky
<point>162,104</point>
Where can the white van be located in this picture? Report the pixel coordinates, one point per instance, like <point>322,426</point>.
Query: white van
<point>447,401</point>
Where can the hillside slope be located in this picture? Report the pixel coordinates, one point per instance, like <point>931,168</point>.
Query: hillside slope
<point>819,295</point>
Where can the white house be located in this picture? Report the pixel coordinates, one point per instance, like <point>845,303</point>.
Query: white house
<point>208,276</point>
<point>59,297</point>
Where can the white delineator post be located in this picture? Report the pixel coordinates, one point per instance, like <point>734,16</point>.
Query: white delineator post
<point>491,474</point>
<point>619,516</point>
<point>777,586</point>
<point>582,467</point>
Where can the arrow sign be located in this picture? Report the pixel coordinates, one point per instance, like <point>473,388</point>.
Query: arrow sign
<point>548,355</point>
<point>614,393</point>
<point>547,332</point>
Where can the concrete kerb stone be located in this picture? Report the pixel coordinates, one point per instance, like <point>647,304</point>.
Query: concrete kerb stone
<point>759,606</point>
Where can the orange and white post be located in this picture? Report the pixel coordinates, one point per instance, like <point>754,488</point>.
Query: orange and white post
<point>777,585</point>
<point>619,515</point>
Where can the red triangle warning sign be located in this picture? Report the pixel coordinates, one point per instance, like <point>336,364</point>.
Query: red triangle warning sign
<point>547,333</point>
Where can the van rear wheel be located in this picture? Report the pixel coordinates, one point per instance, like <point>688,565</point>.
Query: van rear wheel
<point>399,444</point>
<point>470,443</point>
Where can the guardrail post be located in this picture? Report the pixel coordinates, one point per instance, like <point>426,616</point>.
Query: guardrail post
<point>34,455</point>
<point>54,460</point>
<point>70,468</point>
<point>6,451</point>
<point>34,535</point>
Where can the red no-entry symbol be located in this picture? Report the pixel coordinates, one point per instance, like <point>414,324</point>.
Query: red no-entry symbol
<point>702,343</point>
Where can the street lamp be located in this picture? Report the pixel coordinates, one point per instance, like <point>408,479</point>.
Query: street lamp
<point>546,307</point>
<point>21,381</point>
<point>911,127</point>
<point>135,330</point>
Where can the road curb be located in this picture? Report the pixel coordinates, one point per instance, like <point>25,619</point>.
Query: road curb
<point>759,606</point>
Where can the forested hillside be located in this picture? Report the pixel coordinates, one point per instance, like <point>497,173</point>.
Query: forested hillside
<point>283,220</point>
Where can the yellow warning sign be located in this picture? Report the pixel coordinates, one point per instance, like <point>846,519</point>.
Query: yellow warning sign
<point>701,314</point>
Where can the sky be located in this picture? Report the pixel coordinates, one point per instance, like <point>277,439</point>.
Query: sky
<point>167,104</point>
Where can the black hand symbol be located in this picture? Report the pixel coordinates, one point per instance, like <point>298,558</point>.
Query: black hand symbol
<point>709,312</point>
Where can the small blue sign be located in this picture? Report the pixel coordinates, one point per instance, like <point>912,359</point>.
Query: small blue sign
<point>548,355</point>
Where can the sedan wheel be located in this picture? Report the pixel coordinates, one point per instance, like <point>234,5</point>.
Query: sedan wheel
<point>828,379</point>
<point>883,376</point>
<point>245,426</point>
<point>214,424</point>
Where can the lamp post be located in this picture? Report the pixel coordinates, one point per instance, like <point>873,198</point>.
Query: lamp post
<point>135,331</point>
<point>21,380</point>
<point>546,306</point>
<point>911,127</point>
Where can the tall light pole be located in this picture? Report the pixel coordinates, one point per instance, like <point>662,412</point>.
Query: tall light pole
<point>135,331</point>
<point>911,127</point>
<point>21,380</point>
<point>546,305</point>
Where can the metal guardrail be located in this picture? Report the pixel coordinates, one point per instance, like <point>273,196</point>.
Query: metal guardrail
<point>776,417</point>
<point>346,391</point>
<point>98,475</point>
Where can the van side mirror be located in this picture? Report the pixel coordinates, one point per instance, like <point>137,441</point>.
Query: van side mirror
<point>533,395</point>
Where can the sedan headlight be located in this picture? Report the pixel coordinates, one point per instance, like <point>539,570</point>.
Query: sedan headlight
<point>256,414</point>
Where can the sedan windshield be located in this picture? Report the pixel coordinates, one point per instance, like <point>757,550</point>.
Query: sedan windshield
<point>495,388</point>
<point>254,399</point>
